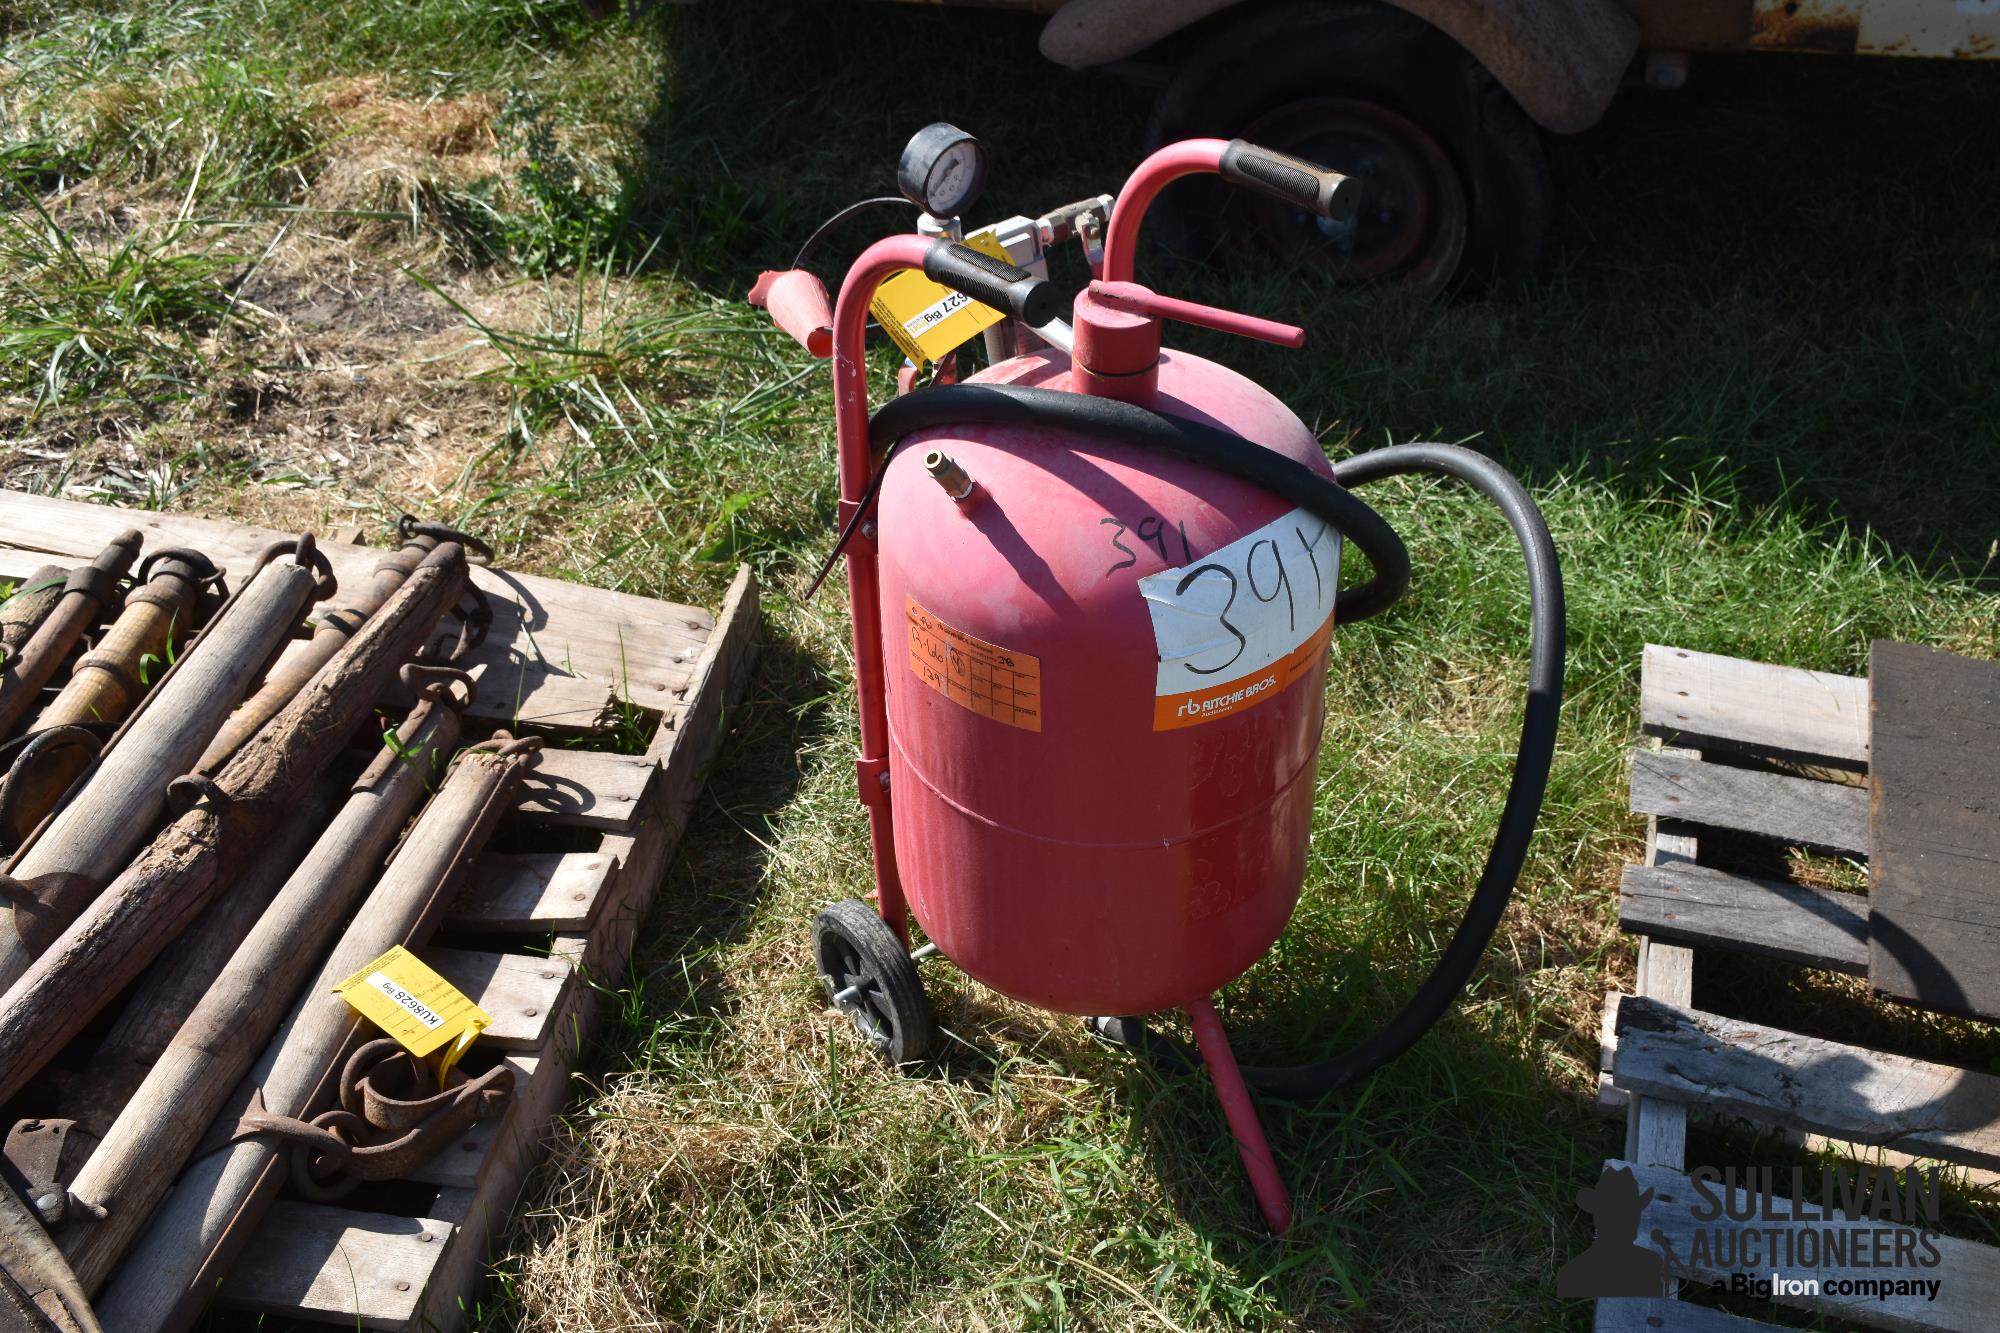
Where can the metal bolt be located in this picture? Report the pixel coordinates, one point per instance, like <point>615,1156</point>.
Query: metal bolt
<point>426,1237</point>
<point>50,1207</point>
<point>530,1012</point>
<point>868,528</point>
<point>402,1286</point>
<point>918,955</point>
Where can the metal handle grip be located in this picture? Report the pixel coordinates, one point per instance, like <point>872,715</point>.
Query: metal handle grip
<point>992,282</point>
<point>1290,179</point>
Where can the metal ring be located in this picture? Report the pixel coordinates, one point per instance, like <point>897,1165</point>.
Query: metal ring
<point>409,527</point>
<point>306,1161</point>
<point>69,737</point>
<point>190,790</point>
<point>473,623</point>
<point>505,745</point>
<point>305,550</point>
<point>428,680</point>
<point>206,573</point>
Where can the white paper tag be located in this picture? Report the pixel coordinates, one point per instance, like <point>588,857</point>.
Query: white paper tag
<point>1237,626</point>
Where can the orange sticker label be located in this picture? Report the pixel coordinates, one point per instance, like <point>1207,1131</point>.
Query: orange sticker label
<point>990,680</point>
<point>1173,711</point>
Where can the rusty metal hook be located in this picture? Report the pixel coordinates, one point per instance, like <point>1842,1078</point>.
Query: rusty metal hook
<point>473,623</point>
<point>410,527</point>
<point>207,574</point>
<point>428,680</point>
<point>505,745</point>
<point>304,549</point>
<point>69,737</point>
<point>191,790</point>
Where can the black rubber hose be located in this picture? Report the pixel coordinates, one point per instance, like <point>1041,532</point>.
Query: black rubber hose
<point>1127,423</point>
<point>1533,759</point>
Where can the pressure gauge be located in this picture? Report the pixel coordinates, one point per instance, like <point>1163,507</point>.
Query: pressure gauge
<point>943,170</point>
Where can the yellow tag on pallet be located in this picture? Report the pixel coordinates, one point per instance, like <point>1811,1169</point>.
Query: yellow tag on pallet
<point>927,319</point>
<point>415,1005</point>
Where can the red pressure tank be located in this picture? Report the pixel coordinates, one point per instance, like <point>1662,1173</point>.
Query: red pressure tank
<point>1105,683</point>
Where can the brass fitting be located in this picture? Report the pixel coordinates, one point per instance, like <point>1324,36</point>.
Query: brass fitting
<point>948,474</point>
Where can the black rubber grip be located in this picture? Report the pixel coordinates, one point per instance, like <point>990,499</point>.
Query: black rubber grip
<point>993,282</point>
<point>1291,179</point>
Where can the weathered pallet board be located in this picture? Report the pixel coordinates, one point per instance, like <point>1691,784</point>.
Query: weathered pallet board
<point>1656,1128</point>
<point>533,892</point>
<point>1667,1316</point>
<point>1934,924</point>
<point>1701,699</point>
<point>481,1174</point>
<point>586,788</point>
<point>1772,1076</point>
<point>1969,1274</point>
<point>559,654</point>
<point>1792,810</point>
<point>1691,904</point>
<point>380,1266</point>
<point>518,992</point>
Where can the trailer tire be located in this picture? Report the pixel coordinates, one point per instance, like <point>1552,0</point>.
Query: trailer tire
<point>1459,196</point>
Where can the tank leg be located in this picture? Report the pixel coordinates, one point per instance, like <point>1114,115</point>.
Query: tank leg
<point>1243,1124</point>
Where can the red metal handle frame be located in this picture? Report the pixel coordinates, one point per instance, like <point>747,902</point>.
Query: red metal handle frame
<point>1190,157</point>
<point>876,265</point>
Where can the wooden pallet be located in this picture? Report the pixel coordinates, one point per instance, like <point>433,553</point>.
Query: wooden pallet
<point>1663,1059</point>
<point>563,658</point>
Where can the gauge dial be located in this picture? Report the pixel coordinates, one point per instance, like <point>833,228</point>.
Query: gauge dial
<point>943,170</point>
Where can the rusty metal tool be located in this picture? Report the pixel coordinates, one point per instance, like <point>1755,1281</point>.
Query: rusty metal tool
<point>28,606</point>
<point>332,627</point>
<point>75,853</point>
<point>216,833</point>
<point>189,1082</point>
<point>393,1117</point>
<point>195,1233</point>
<point>89,590</point>
<point>38,1293</point>
<point>106,684</point>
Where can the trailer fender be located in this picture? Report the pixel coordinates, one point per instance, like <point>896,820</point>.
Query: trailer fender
<point>1562,60</point>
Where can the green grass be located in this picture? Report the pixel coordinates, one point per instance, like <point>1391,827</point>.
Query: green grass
<point>1757,395</point>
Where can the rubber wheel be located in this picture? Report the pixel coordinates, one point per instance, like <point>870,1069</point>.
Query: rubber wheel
<point>857,952</point>
<point>1456,192</point>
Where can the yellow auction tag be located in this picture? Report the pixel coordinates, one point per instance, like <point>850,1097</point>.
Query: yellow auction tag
<point>927,319</point>
<point>415,1005</point>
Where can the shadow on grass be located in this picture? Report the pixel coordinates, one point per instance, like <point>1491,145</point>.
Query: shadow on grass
<point>714,882</point>
<point>1783,275</point>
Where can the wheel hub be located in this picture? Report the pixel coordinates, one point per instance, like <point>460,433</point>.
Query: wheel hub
<point>1412,221</point>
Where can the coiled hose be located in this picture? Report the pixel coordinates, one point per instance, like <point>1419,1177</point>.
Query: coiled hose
<point>1112,419</point>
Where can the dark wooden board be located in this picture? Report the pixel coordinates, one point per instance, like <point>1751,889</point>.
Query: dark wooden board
<point>1691,904</point>
<point>1797,811</point>
<point>1934,783</point>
